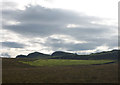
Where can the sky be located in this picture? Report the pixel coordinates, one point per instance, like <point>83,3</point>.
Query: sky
<point>76,26</point>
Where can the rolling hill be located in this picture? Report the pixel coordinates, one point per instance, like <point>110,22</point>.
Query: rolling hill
<point>108,55</point>
<point>34,55</point>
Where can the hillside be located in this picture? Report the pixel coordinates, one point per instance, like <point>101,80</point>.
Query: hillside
<point>112,55</point>
<point>34,55</point>
<point>109,55</point>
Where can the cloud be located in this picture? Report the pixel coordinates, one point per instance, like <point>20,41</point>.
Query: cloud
<point>70,44</point>
<point>13,45</point>
<point>5,55</point>
<point>9,5</point>
<point>41,22</point>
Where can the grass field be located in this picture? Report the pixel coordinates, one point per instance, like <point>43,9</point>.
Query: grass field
<point>18,72</point>
<point>56,62</point>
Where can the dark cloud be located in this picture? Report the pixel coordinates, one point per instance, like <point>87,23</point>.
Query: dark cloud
<point>13,44</point>
<point>44,22</point>
<point>55,44</point>
<point>72,46</point>
<point>40,21</point>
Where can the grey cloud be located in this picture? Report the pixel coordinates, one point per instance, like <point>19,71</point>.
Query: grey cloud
<point>40,21</point>
<point>13,44</point>
<point>55,44</point>
<point>43,15</point>
<point>35,29</point>
<point>72,46</point>
<point>91,44</point>
<point>5,55</point>
<point>43,22</point>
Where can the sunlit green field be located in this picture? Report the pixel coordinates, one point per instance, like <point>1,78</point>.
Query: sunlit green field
<point>56,62</point>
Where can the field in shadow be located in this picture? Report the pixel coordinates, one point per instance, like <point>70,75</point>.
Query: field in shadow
<point>17,72</point>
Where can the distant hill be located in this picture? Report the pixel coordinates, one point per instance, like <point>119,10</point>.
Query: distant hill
<point>37,55</point>
<point>21,56</point>
<point>109,55</point>
<point>105,55</point>
<point>63,54</point>
<point>34,55</point>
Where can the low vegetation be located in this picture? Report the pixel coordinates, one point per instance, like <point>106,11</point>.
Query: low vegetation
<point>61,67</point>
<point>56,62</point>
<point>14,71</point>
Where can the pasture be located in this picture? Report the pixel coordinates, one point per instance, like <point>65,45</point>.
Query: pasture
<point>62,62</point>
<point>61,71</point>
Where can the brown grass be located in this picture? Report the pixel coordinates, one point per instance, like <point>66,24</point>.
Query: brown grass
<point>16,72</point>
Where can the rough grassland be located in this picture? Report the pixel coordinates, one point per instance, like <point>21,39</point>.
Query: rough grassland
<point>17,72</point>
<point>60,62</point>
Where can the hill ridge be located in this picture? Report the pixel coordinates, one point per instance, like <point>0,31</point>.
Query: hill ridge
<point>113,54</point>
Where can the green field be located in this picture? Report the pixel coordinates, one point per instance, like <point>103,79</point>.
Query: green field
<point>56,62</point>
<point>14,71</point>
